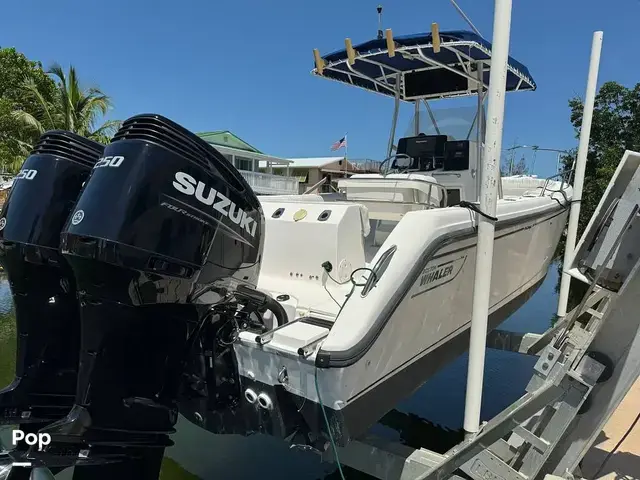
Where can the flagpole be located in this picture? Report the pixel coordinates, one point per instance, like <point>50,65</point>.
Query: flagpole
<point>346,153</point>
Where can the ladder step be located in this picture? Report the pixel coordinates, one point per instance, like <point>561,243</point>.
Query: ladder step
<point>594,313</point>
<point>536,442</point>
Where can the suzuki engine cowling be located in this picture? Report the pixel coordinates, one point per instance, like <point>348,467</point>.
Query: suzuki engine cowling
<point>43,194</point>
<point>165,232</point>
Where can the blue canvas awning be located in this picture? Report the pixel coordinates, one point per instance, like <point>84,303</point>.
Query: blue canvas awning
<point>422,73</point>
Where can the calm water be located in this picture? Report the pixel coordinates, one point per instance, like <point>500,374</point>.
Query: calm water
<point>431,418</point>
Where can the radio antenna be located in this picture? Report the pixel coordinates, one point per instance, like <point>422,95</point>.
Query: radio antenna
<point>466,18</point>
<point>379,9</point>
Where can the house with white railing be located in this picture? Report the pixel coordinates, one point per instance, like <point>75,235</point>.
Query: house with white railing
<point>323,173</point>
<point>255,166</point>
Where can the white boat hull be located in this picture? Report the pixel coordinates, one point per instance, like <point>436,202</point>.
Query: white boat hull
<point>423,327</point>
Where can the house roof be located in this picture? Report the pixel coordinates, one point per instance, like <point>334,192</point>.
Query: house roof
<point>310,162</point>
<point>227,139</point>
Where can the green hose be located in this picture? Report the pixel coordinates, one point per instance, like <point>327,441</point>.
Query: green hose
<point>326,422</point>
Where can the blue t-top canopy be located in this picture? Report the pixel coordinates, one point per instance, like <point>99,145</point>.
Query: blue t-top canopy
<point>416,71</point>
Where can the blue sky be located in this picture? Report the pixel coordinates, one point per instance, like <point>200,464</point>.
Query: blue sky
<point>244,65</point>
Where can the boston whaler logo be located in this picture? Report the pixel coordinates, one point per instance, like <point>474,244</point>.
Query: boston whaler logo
<point>188,185</point>
<point>439,273</point>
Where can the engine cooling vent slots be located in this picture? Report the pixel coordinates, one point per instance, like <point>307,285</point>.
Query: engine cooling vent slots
<point>69,146</point>
<point>161,131</point>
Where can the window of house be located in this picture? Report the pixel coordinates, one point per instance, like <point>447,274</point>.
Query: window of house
<point>243,163</point>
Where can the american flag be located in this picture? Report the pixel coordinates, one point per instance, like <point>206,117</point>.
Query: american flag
<point>342,143</point>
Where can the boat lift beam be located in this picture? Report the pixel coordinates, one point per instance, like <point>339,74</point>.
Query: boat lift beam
<point>587,362</point>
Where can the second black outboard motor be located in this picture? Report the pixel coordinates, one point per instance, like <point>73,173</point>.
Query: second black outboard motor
<point>164,235</point>
<point>43,194</point>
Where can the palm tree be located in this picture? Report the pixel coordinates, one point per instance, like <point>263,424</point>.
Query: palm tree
<point>72,109</point>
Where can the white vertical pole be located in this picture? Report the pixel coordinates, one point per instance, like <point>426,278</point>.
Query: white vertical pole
<point>480,128</point>
<point>394,122</point>
<point>583,148</point>
<point>488,198</point>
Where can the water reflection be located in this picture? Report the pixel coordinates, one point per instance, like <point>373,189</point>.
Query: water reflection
<point>441,399</point>
<point>6,303</point>
<point>431,418</point>
<point>7,333</point>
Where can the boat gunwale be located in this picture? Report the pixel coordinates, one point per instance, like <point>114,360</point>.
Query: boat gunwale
<point>347,357</point>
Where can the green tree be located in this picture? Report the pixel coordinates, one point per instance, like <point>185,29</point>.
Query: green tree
<point>15,69</point>
<point>615,128</point>
<point>72,108</point>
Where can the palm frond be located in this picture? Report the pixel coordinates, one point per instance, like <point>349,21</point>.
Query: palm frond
<point>108,127</point>
<point>57,70</point>
<point>24,147</point>
<point>95,99</point>
<point>75,95</point>
<point>66,108</point>
<point>28,121</point>
<point>31,90</point>
<point>73,87</point>
<point>72,107</point>
<point>106,131</point>
<point>90,108</point>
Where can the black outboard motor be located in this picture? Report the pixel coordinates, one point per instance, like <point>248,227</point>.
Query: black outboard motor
<point>164,237</point>
<point>43,194</point>
<point>47,312</point>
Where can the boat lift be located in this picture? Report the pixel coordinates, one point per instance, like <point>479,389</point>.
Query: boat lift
<point>586,364</point>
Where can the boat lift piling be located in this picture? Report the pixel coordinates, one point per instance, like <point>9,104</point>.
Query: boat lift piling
<point>488,197</point>
<point>581,161</point>
<point>480,123</point>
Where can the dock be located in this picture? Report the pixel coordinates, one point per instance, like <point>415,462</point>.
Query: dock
<point>625,462</point>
